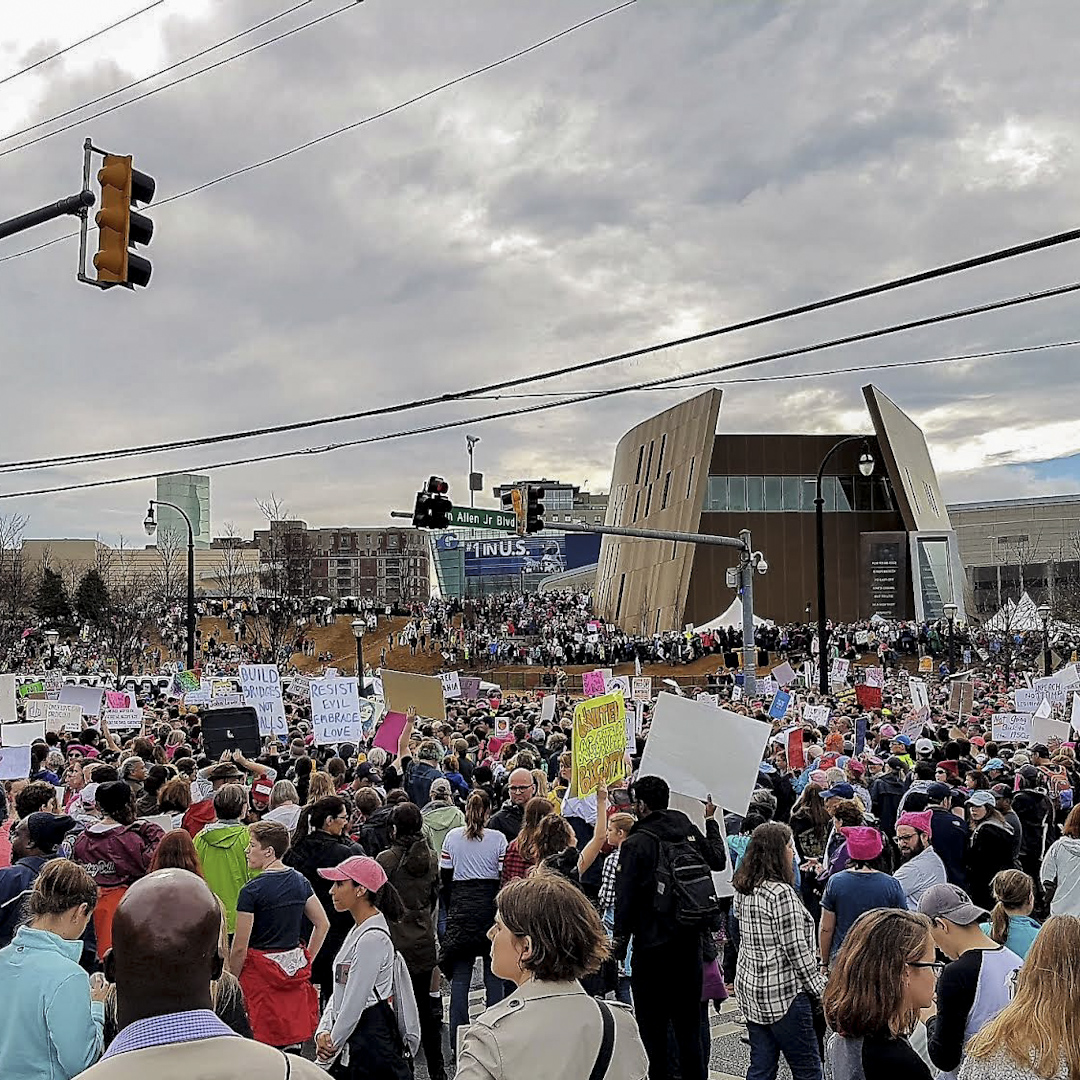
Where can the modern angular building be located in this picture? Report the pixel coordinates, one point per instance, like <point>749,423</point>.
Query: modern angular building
<point>191,493</point>
<point>889,546</point>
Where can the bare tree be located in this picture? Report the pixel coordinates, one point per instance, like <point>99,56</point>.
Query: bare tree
<point>168,574</point>
<point>233,571</point>
<point>129,613</point>
<point>16,582</point>
<point>284,576</point>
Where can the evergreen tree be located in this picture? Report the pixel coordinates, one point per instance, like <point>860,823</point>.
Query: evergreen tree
<point>52,605</point>
<point>92,598</point>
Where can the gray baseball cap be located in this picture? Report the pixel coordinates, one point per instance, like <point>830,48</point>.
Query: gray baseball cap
<point>952,903</point>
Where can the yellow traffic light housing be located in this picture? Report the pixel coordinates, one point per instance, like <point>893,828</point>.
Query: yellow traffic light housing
<point>120,226</point>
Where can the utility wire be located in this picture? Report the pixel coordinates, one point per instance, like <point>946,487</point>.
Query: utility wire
<point>153,75</point>
<point>507,384</point>
<point>183,78</point>
<point>356,124</point>
<point>82,41</point>
<point>544,406</point>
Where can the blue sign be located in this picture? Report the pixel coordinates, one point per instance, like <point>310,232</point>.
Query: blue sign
<point>509,556</point>
<point>779,707</point>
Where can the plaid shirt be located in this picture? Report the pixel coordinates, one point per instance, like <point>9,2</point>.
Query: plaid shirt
<point>777,954</point>
<point>169,1029</point>
<point>515,865</point>
<point>605,901</point>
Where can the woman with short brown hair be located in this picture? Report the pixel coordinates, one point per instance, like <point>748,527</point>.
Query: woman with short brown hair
<point>883,975</point>
<point>546,937</point>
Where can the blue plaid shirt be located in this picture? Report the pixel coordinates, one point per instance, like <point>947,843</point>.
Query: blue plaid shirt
<point>171,1028</point>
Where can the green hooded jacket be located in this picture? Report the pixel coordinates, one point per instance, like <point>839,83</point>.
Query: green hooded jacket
<point>222,848</point>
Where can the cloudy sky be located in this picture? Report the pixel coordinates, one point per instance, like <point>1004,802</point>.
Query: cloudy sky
<point>672,167</point>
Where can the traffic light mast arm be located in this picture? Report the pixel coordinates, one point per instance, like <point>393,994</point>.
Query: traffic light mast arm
<point>657,534</point>
<point>73,204</point>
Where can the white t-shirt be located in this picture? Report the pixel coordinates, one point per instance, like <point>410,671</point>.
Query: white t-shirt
<point>473,860</point>
<point>288,815</point>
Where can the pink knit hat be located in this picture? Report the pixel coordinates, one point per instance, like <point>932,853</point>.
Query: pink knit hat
<point>820,777</point>
<point>920,822</point>
<point>863,842</point>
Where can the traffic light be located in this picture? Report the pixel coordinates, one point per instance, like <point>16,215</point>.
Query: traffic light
<point>534,511</point>
<point>120,227</point>
<point>432,509</point>
<point>513,502</point>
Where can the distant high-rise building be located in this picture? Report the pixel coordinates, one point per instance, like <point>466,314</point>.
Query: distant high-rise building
<point>191,493</point>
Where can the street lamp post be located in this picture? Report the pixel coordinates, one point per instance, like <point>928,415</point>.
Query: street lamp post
<point>950,614</point>
<point>472,440</point>
<point>866,467</point>
<point>1043,611</point>
<point>51,638</point>
<point>150,525</point>
<point>358,633</point>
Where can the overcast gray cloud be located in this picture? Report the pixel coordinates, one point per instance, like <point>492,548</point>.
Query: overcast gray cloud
<point>670,168</point>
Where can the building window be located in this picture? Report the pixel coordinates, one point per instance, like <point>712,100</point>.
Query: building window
<point>774,494</point>
<point>930,497</point>
<point>755,495</point>
<point>660,459</point>
<point>792,492</point>
<point>690,479</point>
<point>637,504</point>
<point>648,462</point>
<point>736,493</point>
<point>618,603</point>
<point>648,500</point>
<point>667,486</point>
<point>640,458</point>
<point>716,497</point>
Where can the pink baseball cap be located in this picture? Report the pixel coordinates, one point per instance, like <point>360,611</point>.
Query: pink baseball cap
<point>359,868</point>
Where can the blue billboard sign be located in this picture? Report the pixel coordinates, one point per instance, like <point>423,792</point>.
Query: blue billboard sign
<point>509,556</point>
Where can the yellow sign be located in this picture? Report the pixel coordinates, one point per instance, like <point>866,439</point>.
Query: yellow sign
<point>926,664</point>
<point>599,743</point>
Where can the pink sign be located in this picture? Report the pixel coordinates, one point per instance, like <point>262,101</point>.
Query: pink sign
<point>389,732</point>
<point>592,683</point>
<point>119,699</point>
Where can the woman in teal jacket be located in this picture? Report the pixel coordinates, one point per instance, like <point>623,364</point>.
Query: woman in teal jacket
<point>51,1021</point>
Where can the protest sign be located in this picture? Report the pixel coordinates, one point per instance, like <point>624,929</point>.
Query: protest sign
<point>784,674</point>
<point>451,685</point>
<point>598,743</point>
<point>197,697</point>
<point>547,709</point>
<point>874,676</point>
<point>838,670</point>
<point>766,688</point>
<point>868,697</point>
<point>779,707</point>
<point>261,687</point>
<point>1025,699</point>
<point>920,698</point>
<point>470,687</point>
<point>29,688</point>
<point>708,699</point>
<point>502,727</point>
<point>53,682</point>
<point>123,719</point>
<point>185,681</point>
<point>862,637</point>
<point>700,751</point>
<point>1043,729</point>
<point>226,701</point>
<point>299,688</point>
<point>88,698</point>
<point>796,755</point>
<point>926,665</point>
<point>8,711</point>
<point>736,694</point>
<point>1011,727</point>
<point>1076,711</point>
<point>641,688</point>
<point>860,735</point>
<point>1054,691</point>
<point>335,711</point>
<point>119,699</point>
<point>593,684</point>
<point>370,711</point>
<point>57,715</point>
<point>913,724</point>
<point>1043,711</point>
<point>21,734</point>
<point>424,693</point>
<point>14,762</point>
<point>961,698</point>
<point>620,684</point>
<point>694,809</point>
<point>818,715</point>
<point>393,724</point>
<point>1068,676</point>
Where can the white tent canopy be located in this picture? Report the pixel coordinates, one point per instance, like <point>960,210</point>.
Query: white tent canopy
<point>1022,617</point>
<point>733,617</point>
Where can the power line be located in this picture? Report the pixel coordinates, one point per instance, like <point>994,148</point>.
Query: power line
<point>827,373</point>
<point>155,74</point>
<point>82,41</point>
<point>356,124</point>
<point>506,384</point>
<point>183,78</point>
<point>594,395</point>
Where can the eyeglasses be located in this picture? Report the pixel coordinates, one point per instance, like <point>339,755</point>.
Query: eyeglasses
<point>906,836</point>
<point>935,965</point>
<point>522,787</point>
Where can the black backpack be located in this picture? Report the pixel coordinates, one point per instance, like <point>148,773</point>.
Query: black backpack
<point>685,892</point>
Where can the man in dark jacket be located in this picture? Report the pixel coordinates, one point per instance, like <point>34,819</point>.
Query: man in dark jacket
<point>522,787</point>
<point>1033,807</point>
<point>422,772</point>
<point>948,834</point>
<point>885,795</point>
<point>34,843</point>
<point>666,970</point>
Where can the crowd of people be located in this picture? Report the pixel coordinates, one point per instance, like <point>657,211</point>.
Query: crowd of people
<point>891,902</point>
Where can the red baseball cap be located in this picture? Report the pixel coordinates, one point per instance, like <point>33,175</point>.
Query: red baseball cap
<point>260,791</point>
<point>359,868</point>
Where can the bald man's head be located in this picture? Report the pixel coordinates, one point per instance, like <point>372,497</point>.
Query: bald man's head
<point>165,945</point>
<point>522,786</point>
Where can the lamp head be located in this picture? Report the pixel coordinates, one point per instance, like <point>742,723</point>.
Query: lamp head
<point>52,637</point>
<point>1043,611</point>
<point>150,524</point>
<point>358,628</point>
<point>866,463</point>
<point>949,610</point>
